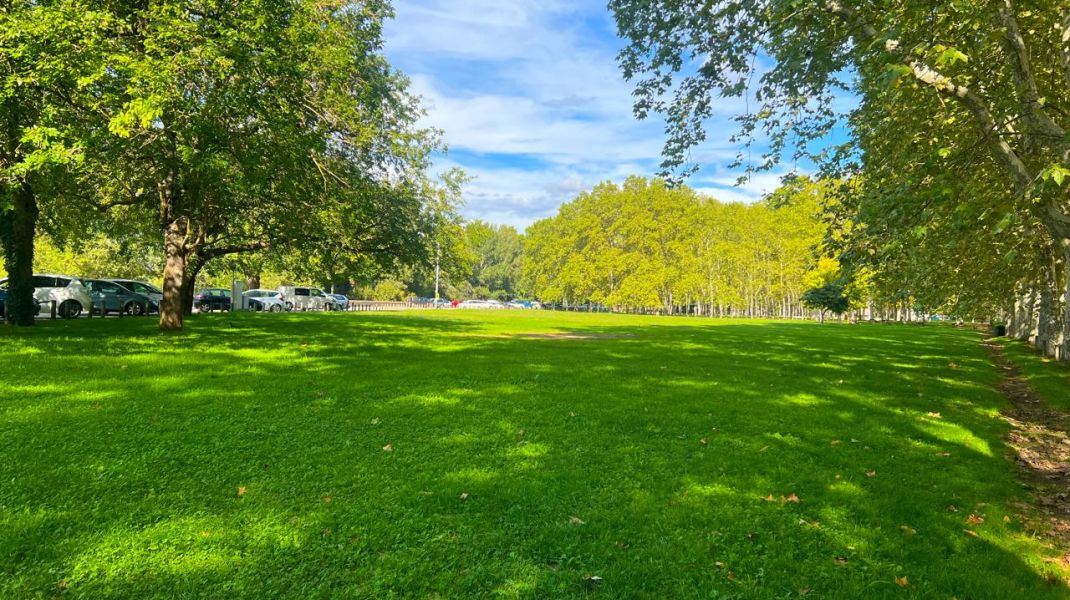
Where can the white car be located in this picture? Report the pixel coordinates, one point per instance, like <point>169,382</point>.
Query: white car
<point>480,304</point>
<point>67,292</point>
<point>303,298</point>
<point>264,300</point>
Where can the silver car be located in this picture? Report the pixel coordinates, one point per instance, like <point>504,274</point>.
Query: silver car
<point>264,300</point>
<point>154,293</point>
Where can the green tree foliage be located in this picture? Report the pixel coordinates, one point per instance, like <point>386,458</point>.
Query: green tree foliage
<point>829,297</point>
<point>50,60</point>
<point>260,125</point>
<point>494,254</point>
<point>644,245</point>
<point>960,134</point>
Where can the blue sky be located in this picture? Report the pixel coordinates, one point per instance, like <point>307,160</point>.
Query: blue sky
<point>533,106</point>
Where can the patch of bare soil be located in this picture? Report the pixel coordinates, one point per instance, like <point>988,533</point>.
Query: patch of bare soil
<point>575,335</point>
<point>1042,451</point>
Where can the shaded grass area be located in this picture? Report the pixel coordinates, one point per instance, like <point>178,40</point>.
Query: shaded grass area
<point>1050,379</point>
<point>245,458</point>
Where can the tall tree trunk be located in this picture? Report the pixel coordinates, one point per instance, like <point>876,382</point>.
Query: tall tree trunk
<point>189,284</point>
<point>252,281</point>
<point>1064,345</point>
<point>174,275</point>
<point>1046,315</point>
<point>18,227</point>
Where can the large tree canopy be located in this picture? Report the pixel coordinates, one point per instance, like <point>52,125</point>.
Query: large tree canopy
<point>261,123</point>
<point>962,118</point>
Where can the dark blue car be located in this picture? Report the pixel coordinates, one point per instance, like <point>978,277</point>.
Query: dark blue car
<point>3,304</point>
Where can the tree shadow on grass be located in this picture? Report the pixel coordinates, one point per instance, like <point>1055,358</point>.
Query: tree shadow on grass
<point>255,465</point>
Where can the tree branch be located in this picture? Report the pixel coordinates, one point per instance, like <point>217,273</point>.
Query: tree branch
<point>1038,121</point>
<point>927,75</point>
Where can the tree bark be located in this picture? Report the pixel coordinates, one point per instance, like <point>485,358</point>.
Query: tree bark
<point>18,231</point>
<point>174,275</point>
<point>1064,344</point>
<point>252,281</point>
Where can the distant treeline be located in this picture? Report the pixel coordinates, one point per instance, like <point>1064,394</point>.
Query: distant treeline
<point>644,245</point>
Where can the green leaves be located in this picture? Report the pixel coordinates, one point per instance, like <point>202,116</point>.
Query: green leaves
<point>138,113</point>
<point>1055,173</point>
<point>946,56</point>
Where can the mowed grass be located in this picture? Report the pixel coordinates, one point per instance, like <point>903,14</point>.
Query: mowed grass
<point>1048,378</point>
<point>245,458</point>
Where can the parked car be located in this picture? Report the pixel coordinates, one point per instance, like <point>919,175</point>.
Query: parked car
<point>154,293</point>
<point>264,300</point>
<point>481,304</point>
<point>303,298</point>
<point>212,299</point>
<point>70,296</point>
<point>3,303</point>
<point>109,296</point>
<point>338,301</point>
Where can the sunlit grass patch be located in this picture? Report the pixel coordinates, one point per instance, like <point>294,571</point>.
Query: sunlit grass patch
<point>454,454</point>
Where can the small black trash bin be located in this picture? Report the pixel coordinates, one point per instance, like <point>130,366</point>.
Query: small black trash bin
<point>999,330</point>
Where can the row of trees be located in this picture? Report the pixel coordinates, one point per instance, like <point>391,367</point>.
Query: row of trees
<point>644,245</point>
<point>263,132</point>
<point>957,157</point>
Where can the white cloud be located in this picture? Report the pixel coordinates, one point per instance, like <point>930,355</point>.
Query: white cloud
<point>532,102</point>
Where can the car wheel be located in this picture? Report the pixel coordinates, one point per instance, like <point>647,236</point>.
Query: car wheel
<point>70,309</point>
<point>275,308</point>
<point>135,309</point>
<point>289,306</point>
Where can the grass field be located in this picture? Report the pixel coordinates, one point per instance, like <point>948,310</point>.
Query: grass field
<point>468,454</point>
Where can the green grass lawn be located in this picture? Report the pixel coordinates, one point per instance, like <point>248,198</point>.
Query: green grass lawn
<point>245,458</point>
<point>1048,378</point>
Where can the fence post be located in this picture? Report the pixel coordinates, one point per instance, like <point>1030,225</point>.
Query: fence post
<point>53,310</point>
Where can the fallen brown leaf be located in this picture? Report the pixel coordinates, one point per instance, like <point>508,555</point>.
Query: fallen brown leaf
<point>970,532</point>
<point>907,529</point>
<point>975,519</point>
<point>792,498</point>
<point>388,448</point>
<point>952,508</point>
<point>934,415</point>
<point>768,498</point>
<point>327,499</point>
<point>464,496</point>
<point>731,576</point>
<point>835,443</point>
<point>871,473</point>
<point>575,521</point>
<point>719,564</point>
<point>241,491</point>
<point>1006,519</point>
<point>902,581</point>
<point>703,441</point>
<point>839,560</point>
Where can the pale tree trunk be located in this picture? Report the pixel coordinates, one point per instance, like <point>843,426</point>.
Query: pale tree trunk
<point>1047,314</point>
<point>1064,343</point>
<point>172,306</point>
